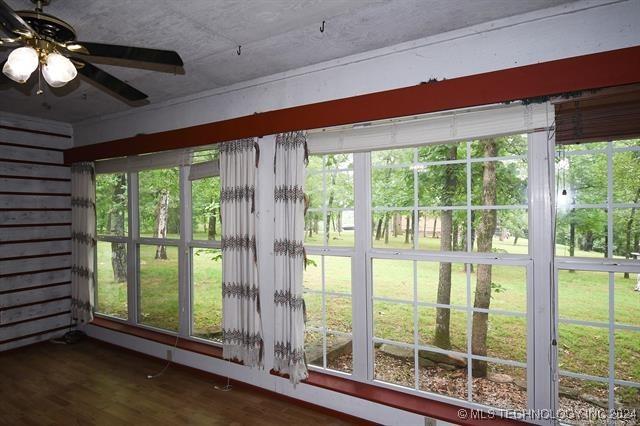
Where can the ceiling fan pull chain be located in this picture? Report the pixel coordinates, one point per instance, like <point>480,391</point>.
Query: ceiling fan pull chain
<point>39,91</point>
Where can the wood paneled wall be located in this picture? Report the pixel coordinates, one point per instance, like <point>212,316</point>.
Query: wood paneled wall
<point>35,232</point>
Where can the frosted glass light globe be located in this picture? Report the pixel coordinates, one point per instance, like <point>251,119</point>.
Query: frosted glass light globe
<point>20,64</point>
<point>58,70</point>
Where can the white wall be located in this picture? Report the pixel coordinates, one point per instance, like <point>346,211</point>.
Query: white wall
<point>575,29</point>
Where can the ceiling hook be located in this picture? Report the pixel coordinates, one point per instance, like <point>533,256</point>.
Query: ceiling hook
<point>239,51</point>
<point>322,27</point>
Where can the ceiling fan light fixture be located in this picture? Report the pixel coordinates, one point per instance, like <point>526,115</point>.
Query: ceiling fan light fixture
<point>58,70</point>
<point>20,64</point>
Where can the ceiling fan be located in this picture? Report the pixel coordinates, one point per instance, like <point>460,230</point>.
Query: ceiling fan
<point>49,44</point>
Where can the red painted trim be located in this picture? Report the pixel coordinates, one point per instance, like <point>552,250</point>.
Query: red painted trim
<point>412,403</point>
<point>37,287</point>
<point>166,339</point>
<point>612,68</point>
<point>36,132</point>
<point>20,145</point>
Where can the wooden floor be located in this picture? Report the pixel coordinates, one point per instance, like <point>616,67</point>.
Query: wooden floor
<point>95,383</point>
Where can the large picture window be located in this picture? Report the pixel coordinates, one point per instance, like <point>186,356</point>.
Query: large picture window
<point>597,235</point>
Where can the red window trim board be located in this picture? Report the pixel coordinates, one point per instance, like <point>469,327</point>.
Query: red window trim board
<point>412,403</point>
<point>593,71</point>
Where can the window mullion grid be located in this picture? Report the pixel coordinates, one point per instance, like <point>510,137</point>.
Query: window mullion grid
<point>416,226</point>
<point>132,249</point>
<point>184,258</point>
<point>469,249</point>
<point>611,398</point>
<point>324,314</point>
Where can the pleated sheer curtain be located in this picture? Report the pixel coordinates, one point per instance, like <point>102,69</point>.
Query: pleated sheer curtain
<point>242,326</point>
<point>83,241</point>
<point>289,168</point>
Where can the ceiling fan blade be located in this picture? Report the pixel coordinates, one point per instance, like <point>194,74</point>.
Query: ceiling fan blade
<point>127,53</point>
<point>109,82</point>
<point>13,24</point>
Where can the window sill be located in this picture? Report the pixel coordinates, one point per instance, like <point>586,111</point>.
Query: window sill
<point>400,400</point>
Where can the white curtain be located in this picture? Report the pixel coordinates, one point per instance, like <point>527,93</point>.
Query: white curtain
<point>242,326</point>
<point>83,241</point>
<point>290,161</point>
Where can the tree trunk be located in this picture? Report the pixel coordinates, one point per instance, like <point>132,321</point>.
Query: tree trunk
<point>515,240</point>
<point>486,229</point>
<point>212,231</point>
<point>116,225</point>
<point>628,247</point>
<point>379,230</point>
<point>407,230</point>
<point>572,237</point>
<point>435,223</point>
<point>162,216</point>
<point>386,228</point>
<point>442,336</point>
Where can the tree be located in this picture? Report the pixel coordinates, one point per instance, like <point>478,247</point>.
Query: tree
<point>117,222</point>
<point>485,232</point>
<point>442,337</point>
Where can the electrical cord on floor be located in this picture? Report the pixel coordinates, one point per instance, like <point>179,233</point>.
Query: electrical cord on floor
<point>161,372</point>
<point>225,388</point>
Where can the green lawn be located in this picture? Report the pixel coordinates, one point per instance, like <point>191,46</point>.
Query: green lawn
<point>582,295</point>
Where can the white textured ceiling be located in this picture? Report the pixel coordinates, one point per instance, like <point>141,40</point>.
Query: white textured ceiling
<point>276,36</point>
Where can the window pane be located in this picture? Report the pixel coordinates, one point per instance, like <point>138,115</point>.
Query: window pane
<point>506,336</point>
<point>627,300</point>
<point>626,177</point>
<point>112,279</point>
<point>392,187</point>
<point>338,274</point>
<point>584,177</point>
<point>339,189</point>
<point>502,183</point>
<point>111,204</point>
<point>313,306</point>
<point>574,394</point>
<point>442,230</point>
<point>627,355</point>
<point>340,228</point>
<point>583,295</point>
<point>313,348</point>
<point>339,353</point>
<point>158,269</point>
<point>445,329</point>
<point>312,277</point>
<point>203,155</point>
<point>393,279</point>
<point>392,157</point>
<point>442,282</point>
<point>442,378</point>
<point>313,188</point>
<point>500,231</point>
<point>499,385</point>
<point>339,313</point>
<point>442,185</point>
<point>393,321</point>
<point>442,152</point>
<point>626,233</point>
<point>394,364</point>
<point>314,229</point>
<point>159,203</point>
<point>508,286</point>
<point>503,146</point>
<point>583,349</point>
<point>393,229</point>
<point>629,399</point>
<point>582,233</point>
<point>205,199</point>
<point>206,293</point>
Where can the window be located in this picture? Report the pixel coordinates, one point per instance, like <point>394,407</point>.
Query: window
<point>111,250</point>
<point>206,259</point>
<point>457,329</point>
<point>597,234</point>
<point>329,239</point>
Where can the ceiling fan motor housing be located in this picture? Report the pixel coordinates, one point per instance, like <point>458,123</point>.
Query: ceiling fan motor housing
<point>48,26</point>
